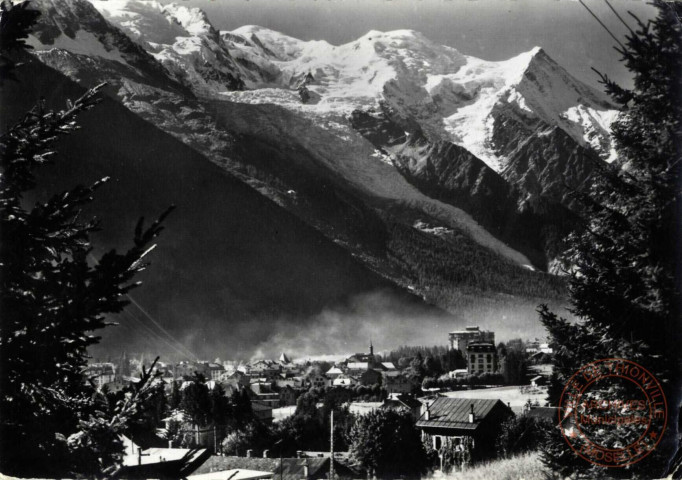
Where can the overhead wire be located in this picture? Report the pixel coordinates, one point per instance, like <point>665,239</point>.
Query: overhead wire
<point>615,12</point>
<point>154,336</point>
<point>170,341</point>
<point>160,327</point>
<point>602,24</point>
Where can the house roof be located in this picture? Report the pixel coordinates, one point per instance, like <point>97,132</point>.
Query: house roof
<point>262,388</point>
<point>259,406</point>
<point>292,468</point>
<point>263,361</point>
<point>388,365</point>
<point>357,365</point>
<point>360,357</point>
<point>343,380</point>
<point>453,413</point>
<point>334,371</point>
<point>408,400</point>
<point>235,474</point>
<point>469,329</point>
<point>484,347</point>
<point>160,462</point>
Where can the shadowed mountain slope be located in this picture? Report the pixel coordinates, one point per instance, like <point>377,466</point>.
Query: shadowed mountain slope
<point>229,262</point>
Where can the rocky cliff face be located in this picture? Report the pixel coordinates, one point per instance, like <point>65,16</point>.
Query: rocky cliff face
<point>551,164</point>
<point>504,111</point>
<point>530,222</point>
<point>74,35</point>
<point>180,38</point>
<point>495,180</point>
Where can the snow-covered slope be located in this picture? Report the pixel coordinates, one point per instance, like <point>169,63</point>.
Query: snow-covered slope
<point>179,37</point>
<point>354,73</point>
<point>73,37</point>
<point>74,34</point>
<point>421,86</point>
<point>450,96</point>
<point>534,86</point>
<point>345,77</point>
<point>453,97</point>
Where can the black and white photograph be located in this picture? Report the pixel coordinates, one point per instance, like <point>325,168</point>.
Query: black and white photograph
<point>340,239</point>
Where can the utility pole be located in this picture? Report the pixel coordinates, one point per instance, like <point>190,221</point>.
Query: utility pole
<point>281,472</point>
<point>331,446</point>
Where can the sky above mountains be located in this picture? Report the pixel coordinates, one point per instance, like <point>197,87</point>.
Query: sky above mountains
<point>489,29</point>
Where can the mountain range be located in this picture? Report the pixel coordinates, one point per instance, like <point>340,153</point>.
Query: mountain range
<point>409,168</point>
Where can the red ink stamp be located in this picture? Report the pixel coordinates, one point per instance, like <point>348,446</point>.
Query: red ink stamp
<point>613,412</point>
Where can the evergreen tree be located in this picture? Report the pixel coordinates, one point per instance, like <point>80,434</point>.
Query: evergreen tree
<point>515,366</point>
<point>416,368</point>
<point>625,283</point>
<point>306,404</point>
<point>175,396</point>
<point>221,409</point>
<point>196,400</point>
<point>52,297</point>
<point>241,408</point>
<point>521,434</point>
<point>388,444</point>
<point>432,366</point>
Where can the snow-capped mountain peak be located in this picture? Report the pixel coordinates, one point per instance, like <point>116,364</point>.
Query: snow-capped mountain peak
<point>74,36</point>
<point>489,108</point>
<point>280,47</point>
<point>499,113</point>
<point>465,103</point>
<point>193,20</point>
<point>308,155</point>
<point>181,38</point>
<point>141,20</point>
<point>151,21</point>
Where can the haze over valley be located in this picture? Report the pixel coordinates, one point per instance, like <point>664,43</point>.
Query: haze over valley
<point>389,187</point>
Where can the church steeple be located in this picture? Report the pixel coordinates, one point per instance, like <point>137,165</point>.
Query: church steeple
<point>371,347</point>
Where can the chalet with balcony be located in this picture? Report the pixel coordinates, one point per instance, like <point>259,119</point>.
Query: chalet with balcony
<point>463,423</point>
